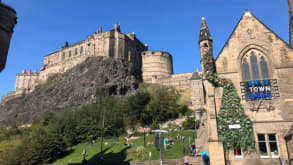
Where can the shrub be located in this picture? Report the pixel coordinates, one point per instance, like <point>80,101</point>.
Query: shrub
<point>189,123</point>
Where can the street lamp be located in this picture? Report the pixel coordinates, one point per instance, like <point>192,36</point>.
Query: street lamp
<point>103,124</point>
<point>160,145</point>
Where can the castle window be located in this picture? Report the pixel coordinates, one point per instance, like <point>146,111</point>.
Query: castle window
<point>75,51</point>
<point>69,54</point>
<point>255,66</point>
<point>29,83</point>
<point>63,56</point>
<point>81,49</point>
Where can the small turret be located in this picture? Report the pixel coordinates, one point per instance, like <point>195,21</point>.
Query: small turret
<point>100,29</point>
<point>204,31</point>
<point>205,43</point>
<point>117,27</point>
<point>23,71</point>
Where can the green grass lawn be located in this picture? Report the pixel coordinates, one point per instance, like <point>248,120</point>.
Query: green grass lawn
<point>116,152</point>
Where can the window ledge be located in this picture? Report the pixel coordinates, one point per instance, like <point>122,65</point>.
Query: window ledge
<point>264,157</point>
<point>238,156</point>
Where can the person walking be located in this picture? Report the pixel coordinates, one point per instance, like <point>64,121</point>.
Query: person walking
<point>193,149</point>
<point>83,154</point>
<point>186,160</point>
<point>165,143</point>
<point>84,161</point>
<point>205,157</point>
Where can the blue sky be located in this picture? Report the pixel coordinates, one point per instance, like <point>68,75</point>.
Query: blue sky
<point>168,25</point>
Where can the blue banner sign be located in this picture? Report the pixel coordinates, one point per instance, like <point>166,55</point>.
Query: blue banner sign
<point>259,89</point>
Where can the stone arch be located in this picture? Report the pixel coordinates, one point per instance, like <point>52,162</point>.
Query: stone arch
<point>263,54</point>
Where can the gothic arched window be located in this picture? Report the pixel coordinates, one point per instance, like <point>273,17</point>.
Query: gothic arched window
<point>264,68</point>
<point>246,70</point>
<point>255,66</point>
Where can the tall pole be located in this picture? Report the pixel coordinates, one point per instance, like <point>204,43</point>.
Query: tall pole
<point>144,137</point>
<point>103,124</point>
<point>195,130</point>
<point>161,148</point>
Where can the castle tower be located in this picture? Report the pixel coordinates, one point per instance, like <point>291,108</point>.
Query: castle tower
<point>156,65</point>
<point>290,3</point>
<point>205,40</point>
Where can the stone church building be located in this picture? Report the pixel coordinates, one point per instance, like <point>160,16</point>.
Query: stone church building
<point>260,65</point>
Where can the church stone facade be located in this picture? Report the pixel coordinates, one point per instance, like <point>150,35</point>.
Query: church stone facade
<point>254,55</point>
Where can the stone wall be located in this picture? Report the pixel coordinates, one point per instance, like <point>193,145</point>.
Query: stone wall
<point>157,162</point>
<point>26,81</point>
<point>176,80</point>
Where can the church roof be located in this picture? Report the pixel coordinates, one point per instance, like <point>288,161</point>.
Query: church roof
<point>248,12</point>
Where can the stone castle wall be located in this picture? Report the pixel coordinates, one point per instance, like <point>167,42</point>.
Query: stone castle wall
<point>26,81</point>
<point>156,65</point>
<point>109,44</point>
<point>113,44</point>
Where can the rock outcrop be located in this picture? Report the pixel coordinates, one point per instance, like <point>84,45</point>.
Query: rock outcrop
<point>86,83</point>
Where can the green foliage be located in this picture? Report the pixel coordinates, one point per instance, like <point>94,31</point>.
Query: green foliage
<point>197,122</point>
<point>189,123</point>
<point>117,153</point>
<point>51,135</point>
<point>153,104</point>
<point>231,110</point>
<point>155,125</point>
<point>139,153</point>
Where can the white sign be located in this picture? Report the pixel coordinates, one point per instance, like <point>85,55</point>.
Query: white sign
<point>160,131</point>
<point>235,126</point>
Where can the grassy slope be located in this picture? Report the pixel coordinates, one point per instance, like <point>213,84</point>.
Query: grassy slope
<point>118,152</point>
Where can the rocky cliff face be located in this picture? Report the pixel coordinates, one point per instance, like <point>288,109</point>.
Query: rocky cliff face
<point>86,83</point>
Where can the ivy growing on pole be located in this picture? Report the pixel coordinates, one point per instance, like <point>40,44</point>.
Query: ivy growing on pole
<point>231,111</point>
